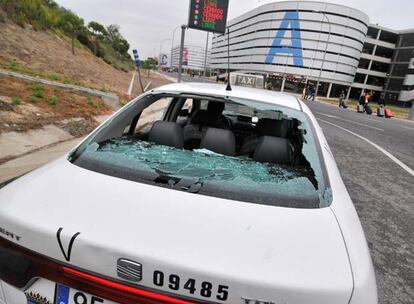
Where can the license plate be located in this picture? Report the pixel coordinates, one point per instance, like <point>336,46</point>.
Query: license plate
<point>48,292</point>
<point>66,295</point>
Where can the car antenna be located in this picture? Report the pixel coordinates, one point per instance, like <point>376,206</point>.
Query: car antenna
<point>228,88</point>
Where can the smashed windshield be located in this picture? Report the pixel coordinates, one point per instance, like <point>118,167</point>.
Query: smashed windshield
<point>245,151</point>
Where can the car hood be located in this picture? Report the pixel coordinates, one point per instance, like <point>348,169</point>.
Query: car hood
<point>274,254</point>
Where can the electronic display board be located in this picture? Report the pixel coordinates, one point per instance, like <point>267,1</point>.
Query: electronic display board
<point>208,15</point>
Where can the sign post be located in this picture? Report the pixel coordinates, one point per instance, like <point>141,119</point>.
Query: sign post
<point>204,15</point>
<point>138,65</point>
<point>180,64</point>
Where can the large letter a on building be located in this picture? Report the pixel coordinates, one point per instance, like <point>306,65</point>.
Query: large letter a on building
<point>290,21</point>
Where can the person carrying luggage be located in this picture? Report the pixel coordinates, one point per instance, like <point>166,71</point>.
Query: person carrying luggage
<point>361,100</point>
<point>368,109</point>
<point>361,103</point>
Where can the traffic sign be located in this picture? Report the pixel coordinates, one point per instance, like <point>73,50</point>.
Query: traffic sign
<point>208,15</point>
<point>136,58</point>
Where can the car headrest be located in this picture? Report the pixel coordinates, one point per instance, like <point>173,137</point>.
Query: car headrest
<point>215,107</point>
<point>167,133</point>
<point>203,117</point>
<point>271,127</point>
<point>273,150</point>
<point>211,115</point>
<point>220,141</point>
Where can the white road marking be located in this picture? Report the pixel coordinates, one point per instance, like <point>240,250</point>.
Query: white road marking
<point>408,128</point>
<point>351,121</point>
<point>131,85</point>
<point>388,154</point>
<point>327,115</point>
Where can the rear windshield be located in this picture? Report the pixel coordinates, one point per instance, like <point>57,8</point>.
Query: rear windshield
<point>239,149</point>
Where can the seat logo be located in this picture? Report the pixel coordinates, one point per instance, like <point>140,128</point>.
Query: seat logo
<point>129,270</point>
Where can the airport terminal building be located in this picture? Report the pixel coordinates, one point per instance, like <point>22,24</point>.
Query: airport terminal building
<point>298,41</point>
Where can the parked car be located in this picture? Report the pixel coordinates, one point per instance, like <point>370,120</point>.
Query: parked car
<point>188,194</point>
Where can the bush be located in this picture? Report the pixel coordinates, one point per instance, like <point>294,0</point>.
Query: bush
<point>16,100</point>
<point>55,77</point>
<point>90,101</point>
<point>14,65</point>
<point>38,88</point>
<point>53,101</point>
<point>38,94</point>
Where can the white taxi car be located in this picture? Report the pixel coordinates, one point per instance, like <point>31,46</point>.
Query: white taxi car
<point>188,194</point>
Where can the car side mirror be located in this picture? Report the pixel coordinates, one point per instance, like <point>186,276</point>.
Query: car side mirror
<point>184,113</point>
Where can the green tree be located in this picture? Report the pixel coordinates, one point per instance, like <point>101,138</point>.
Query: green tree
<point>72,25</point>
<point>149,64</point>
<point>113,32</point>
<point>121,46</point>
<point>97,29</point>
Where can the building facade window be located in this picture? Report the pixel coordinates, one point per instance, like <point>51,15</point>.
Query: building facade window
<point>359,78</point>
<point>368,48</point>
<point>399,70</point>
<point>388,37</point>
<point>363,63</point>
<point>404,55</point>
<point>380,67</point>
<point>384,52</point>
<point>372,32</point>
<point>395,84</point>
<point>407,40</point>
<point>376,81</point>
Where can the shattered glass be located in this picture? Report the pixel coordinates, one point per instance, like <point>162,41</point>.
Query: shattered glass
<point>302,185</point>
<point>204,166</point>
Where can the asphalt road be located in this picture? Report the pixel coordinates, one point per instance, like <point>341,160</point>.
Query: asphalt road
<point>382,191</point>
<point>187,78</point>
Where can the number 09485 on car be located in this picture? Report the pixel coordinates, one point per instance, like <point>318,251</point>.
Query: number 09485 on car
<point>204,289</point>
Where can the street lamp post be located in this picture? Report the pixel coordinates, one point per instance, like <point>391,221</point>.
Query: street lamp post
<point>180,64</point>
<point>205,57</point>
<point>324,54</point>
<point>172,43</point>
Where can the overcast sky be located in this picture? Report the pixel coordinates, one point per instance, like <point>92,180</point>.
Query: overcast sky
<point>146,23</point>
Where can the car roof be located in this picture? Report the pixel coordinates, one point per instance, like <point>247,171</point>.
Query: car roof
<point>258,95</point>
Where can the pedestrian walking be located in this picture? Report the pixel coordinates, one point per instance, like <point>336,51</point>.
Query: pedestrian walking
<point>312,93</point>
<point>381,100</point>
<point>304,93</point>
<point>341,99</point>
